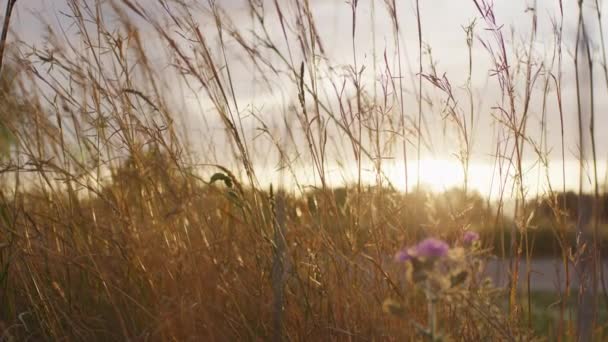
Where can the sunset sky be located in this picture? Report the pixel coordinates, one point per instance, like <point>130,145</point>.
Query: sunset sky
<point>442,31</point>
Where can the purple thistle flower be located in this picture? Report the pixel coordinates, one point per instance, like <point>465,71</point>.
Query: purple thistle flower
<point>427,248</point>
<point>470,237</point>
<point>432,247</point>
<point>403,255</point>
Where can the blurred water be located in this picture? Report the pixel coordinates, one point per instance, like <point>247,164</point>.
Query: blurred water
<point>546,274</point>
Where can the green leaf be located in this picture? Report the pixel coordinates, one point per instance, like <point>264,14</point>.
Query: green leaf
<point>458,278</point>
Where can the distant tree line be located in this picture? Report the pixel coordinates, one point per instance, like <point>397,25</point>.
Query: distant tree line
<point>569,204</point>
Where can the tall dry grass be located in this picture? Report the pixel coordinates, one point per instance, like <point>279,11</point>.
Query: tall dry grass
<point>118,224</point>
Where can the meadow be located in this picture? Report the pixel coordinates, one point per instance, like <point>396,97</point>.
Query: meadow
<point>184,170</point>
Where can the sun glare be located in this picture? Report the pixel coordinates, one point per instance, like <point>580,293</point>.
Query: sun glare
<point>439,175</point>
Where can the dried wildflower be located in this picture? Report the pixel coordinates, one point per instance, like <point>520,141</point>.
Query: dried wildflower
<point>456,253</point>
